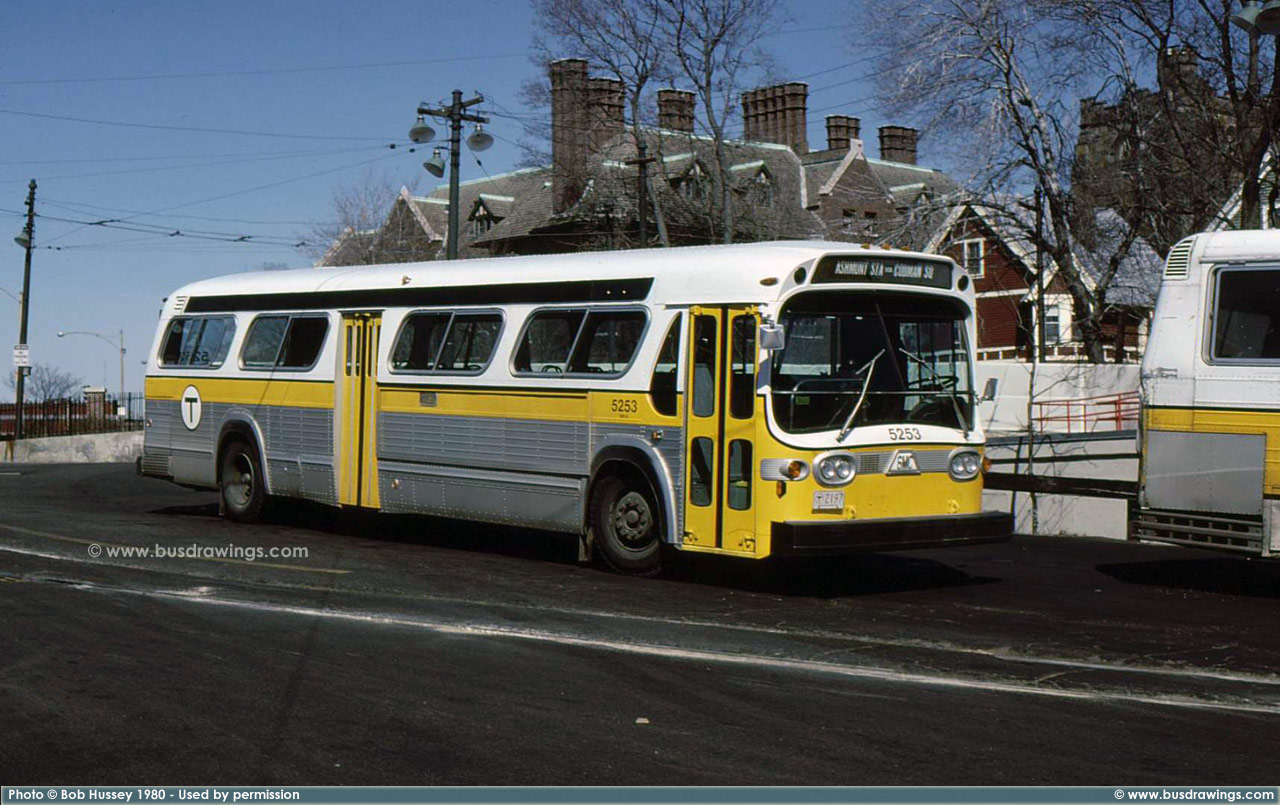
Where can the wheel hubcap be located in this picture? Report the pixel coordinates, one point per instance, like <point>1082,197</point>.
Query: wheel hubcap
<point>240,481</point>
<point>632,520</point>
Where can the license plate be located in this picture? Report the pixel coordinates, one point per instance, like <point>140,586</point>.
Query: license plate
<point>828,501</point>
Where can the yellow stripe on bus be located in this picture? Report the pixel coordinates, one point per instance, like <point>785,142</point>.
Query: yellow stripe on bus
<point>244,391</point>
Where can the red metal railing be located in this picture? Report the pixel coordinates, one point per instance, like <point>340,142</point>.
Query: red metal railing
<point>1088,414</point>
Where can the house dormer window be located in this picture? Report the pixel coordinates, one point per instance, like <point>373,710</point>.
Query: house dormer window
<point>481,222</point>
<point>692,184</point>
<point>761,191</point>
<point>975,257</point>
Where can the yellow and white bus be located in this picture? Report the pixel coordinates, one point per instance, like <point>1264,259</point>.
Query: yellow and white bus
<point>1210,426</point>
<point>789,398</point>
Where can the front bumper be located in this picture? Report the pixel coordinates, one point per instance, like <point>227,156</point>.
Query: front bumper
<point>904,534</point>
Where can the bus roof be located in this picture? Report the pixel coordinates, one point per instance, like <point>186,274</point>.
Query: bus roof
<point>1244,245</point>
<point>684,275</point>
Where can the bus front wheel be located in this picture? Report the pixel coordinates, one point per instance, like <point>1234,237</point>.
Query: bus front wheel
<point>624,522</point>
<point>241,481</point>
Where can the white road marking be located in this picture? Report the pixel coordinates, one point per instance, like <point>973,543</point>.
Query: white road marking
<point>762,662</point>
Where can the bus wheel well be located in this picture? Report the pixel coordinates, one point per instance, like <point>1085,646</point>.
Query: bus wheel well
<point>627,468</point>
<point>239,431</point>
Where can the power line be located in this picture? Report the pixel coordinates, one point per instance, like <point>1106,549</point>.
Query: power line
<point>244,73</point>
<point>132,171</point>
<point>163,127</point>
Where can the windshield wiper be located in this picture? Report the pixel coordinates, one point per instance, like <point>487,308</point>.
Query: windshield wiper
<point>955,404</point>
<point>869,367</point>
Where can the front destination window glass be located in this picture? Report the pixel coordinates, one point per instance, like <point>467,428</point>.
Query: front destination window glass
<point>855,359</point>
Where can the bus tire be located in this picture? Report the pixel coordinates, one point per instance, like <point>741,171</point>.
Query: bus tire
<point>626,525</point>
<point>241,481</point>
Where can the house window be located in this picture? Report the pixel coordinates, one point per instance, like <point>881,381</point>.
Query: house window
<point>1052,324</point>
<point>974,257</point>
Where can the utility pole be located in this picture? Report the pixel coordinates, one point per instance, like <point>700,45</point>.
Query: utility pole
<point>456,113</point>
<point>642,161</point>
<point>28,240</point>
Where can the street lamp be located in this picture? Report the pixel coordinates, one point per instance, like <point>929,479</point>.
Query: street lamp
<point>117,343</point>
<point>479,140</point>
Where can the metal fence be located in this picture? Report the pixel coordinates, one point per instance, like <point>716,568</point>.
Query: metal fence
<point>88,413</point>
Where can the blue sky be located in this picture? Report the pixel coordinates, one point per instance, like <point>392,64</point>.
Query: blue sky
<point>336,82</point>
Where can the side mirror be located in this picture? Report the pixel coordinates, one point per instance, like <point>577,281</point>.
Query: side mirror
<point>989,392</point>
<point>772,336</point>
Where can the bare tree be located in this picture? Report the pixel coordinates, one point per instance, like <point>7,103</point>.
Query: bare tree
<point>358,206</point>
<point>1212,121</point>
<point>1001,79</point>
<point>715,43</point>
<point>46,382</point>
<point>618,37</point>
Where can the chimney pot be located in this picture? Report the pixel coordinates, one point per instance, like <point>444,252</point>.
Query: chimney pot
<point>675,110</point>
<point>898,144</point>
<point>842,130</point>
<point>777,115</point>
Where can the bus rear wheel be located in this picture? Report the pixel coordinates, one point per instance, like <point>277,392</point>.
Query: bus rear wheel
<point>625,524</point>
<point>241,482</point>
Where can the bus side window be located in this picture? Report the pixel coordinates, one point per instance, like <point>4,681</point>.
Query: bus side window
<point>303,342</point>
<point>704,366</point>
<point>548,338</point>
<point>1247,323</point>
<point>742,373</point>
<point>662,385</point>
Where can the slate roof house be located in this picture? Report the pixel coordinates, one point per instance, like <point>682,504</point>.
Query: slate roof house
<point>992,244</point>
<point>587,197</point>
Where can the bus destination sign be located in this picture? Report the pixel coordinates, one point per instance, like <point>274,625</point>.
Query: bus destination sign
<point>903,270</point>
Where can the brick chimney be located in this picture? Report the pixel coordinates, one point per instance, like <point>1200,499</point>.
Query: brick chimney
<point>606,104</point>
<point>842,130</point>
<point>570,131</point>
<point>898,144</point>
<point>777,115</point>
<point>675,110</point>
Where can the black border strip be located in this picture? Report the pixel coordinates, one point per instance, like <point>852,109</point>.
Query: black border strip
<point>525,293</point>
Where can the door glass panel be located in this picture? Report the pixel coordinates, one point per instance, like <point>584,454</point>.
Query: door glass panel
<point>742,371</point>
<point>739,474</point>
<point>704,365</point>
<point>700,472</point>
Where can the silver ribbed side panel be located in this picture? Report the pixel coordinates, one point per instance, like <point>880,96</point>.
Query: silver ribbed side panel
<point>543,446</point>
<point>469,493</point>
<point>298,443</point>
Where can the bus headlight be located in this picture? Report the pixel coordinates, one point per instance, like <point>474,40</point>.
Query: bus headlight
<point>964,465</point>
<point>835,469</point>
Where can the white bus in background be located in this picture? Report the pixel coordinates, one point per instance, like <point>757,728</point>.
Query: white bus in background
<point>1210,432</point>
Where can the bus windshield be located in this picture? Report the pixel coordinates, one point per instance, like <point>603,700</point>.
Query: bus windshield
<point>858,358</point>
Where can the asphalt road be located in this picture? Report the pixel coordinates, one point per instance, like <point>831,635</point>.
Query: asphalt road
<point>419,651</point>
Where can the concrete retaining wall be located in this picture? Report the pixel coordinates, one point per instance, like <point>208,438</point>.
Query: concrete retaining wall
<point>94,448</point>
<point>1054,381</point>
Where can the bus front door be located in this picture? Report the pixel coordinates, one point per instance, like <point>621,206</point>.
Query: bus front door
<point>356,411</point>
<point>720,418</point>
